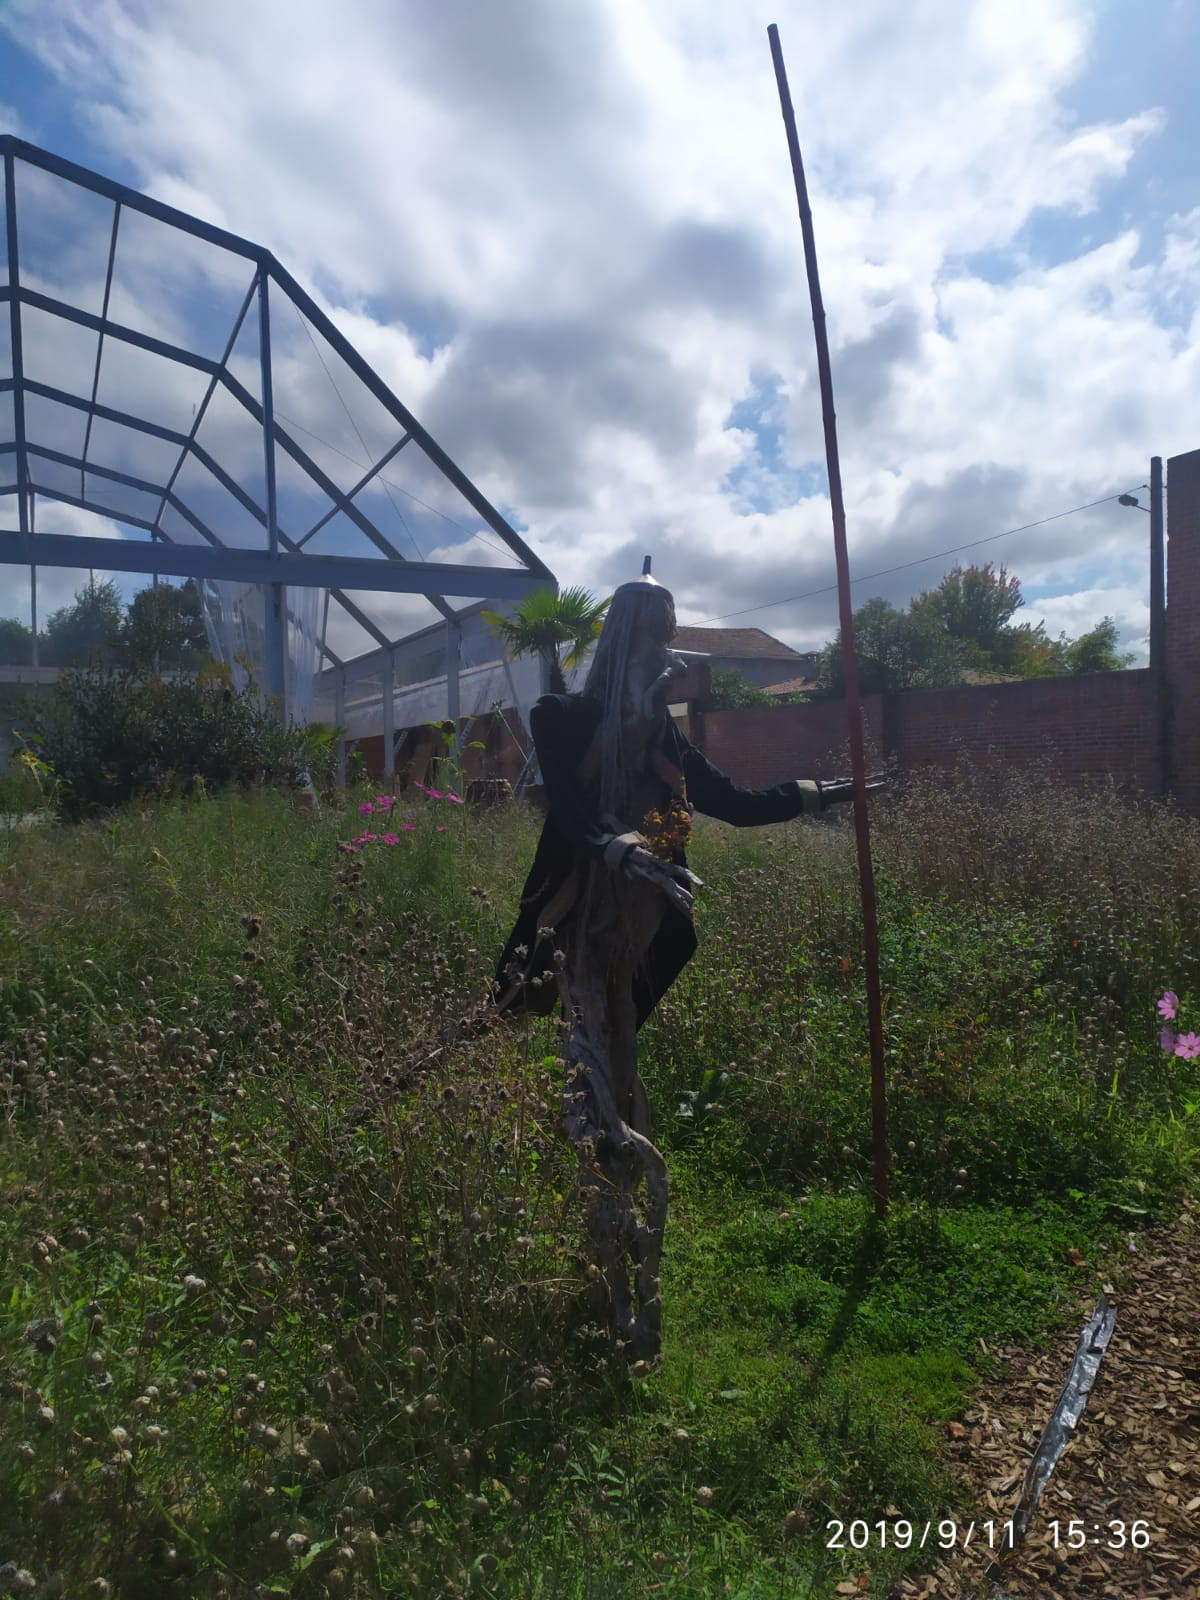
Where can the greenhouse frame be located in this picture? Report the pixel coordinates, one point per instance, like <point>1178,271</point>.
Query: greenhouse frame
<point>173,402</point>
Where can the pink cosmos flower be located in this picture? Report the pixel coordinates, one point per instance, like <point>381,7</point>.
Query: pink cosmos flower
<point>435,794</point>
<point>441,828</point>
<point>1168,1005</point>
<point>408,827</point>
<point>365,838</point>
<point>390,838</point>
<point>454,799</point>
<point>367,808</point>
<point>1167,1039</point>
<point>1188,1046</point>
<point>383,802</point>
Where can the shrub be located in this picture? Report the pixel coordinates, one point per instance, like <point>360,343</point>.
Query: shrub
<point>110,736</point>
<point>732,690</point>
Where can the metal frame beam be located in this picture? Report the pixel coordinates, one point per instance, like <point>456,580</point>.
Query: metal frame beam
<point>131,481</point>
<point>10,145</point>
<point>252,566</point>
<point>108,278</point>
<point>106,326</point>
<point>156,430</point>
<point>122,194</point>
<point>370,379</point>
<point>13,295</point>
<point>433,581</point>
<point>115,330</point>
<point>274,616</point>
<point>387,456</point>
<point>341,501</point>
<point>188,442</point>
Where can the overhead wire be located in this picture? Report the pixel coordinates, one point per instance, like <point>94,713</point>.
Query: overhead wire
<point>903,566</point>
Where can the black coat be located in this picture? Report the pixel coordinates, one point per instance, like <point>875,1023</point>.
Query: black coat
<point>562,726</point>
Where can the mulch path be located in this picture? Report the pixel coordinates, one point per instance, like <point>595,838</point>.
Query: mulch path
<point>1134,1456</point>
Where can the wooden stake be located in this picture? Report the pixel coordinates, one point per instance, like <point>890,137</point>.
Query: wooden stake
<point>866,875</point>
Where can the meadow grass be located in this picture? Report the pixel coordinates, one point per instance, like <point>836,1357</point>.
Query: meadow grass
<point>294,1294</point>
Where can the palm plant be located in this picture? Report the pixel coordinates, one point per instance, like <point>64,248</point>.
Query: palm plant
<point>544,622</point>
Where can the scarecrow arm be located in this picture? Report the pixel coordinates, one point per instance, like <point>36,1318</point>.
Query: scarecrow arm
<point>710,791</point>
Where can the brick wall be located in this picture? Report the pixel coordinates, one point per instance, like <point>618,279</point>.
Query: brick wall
<point>762,745</point>
<point>500,757</point>
<point>1182,664</point>
<point>1081,728</point>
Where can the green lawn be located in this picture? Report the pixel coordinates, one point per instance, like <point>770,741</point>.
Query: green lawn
<point>296,1303</point>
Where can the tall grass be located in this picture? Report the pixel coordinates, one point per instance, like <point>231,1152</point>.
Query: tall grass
<point>295,1293</point>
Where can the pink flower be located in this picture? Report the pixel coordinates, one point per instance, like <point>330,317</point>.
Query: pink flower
<point>1168,1005</point>
<point>365,838</point>
<point>1188,1046</point>
<point>367,808</point>
<point>408,827</point>
<point>383,802</point>
<point>441,828</point>
<point>435,794</point>
<point>390,838</point>
<point>454,799</point>
<point>1167,1039</point>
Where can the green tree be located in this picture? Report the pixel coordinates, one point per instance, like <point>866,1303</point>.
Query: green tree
<point>163,629</point>
<point>732,690</point>
<point>974,605</point>
<point>1026,652</point>
<point>545,622</point>
<point>87,632</point>
<point>894,650</point>
<point>16,643</point>
<point>1096,651</point>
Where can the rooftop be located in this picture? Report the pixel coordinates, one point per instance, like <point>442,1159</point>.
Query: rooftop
<point>735,644</point>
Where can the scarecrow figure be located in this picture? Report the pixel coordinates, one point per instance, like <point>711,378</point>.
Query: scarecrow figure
<point>606,919</point>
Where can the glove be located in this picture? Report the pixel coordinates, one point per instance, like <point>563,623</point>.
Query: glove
<point>677,883</point>
<point>628,852</point>
<point>829,791</point>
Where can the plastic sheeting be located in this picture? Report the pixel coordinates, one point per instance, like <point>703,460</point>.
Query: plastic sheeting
<point>234,621</point>
<point>499,684</point>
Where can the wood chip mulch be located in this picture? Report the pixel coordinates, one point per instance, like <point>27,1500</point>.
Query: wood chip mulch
<point>1135,1455</point>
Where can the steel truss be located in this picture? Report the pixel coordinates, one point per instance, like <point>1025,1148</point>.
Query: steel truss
<point>283,560</point>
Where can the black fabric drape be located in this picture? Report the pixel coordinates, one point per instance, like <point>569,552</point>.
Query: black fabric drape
<point>574,834</point>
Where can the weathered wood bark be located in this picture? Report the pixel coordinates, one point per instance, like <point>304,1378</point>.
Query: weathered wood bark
<point>624,1176</point>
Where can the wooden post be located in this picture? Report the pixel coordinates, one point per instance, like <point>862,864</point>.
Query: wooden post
<point>854,712</point>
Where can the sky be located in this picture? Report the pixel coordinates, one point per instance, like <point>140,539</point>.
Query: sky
<point>566,236</point>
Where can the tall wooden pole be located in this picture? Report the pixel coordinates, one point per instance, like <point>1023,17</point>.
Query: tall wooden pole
<point>866,875</point>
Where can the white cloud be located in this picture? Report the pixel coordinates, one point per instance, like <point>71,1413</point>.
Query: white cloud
<point>570,244</point>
